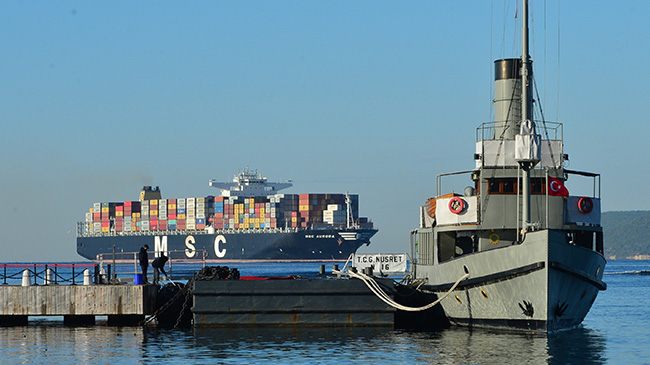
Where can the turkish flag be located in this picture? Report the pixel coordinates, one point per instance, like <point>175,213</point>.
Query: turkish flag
<point>556,188</point>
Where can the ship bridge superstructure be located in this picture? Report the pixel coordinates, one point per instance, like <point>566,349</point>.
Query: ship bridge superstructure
<point>249,183</point>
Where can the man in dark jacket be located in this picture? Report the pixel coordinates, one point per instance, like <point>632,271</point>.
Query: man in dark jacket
<point>159,264</point>
<point>143,257</point>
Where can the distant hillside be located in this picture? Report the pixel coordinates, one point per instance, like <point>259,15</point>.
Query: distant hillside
<point>627,233</point>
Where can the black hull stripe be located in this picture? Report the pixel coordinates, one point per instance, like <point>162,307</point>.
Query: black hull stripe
<point>488,279</point>
<point>591,279</point>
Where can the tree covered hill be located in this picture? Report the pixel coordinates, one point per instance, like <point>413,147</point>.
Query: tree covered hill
<point>626,233</point>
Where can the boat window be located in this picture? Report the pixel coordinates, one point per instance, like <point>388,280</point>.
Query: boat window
<point>446,245</point>
<point>537,185</point>
<point>508,186</point>
<point>455,244</point>
<point>502,186</point>
<point>494,186</point>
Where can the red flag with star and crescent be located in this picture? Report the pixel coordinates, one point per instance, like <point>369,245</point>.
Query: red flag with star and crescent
<point>556,187</point>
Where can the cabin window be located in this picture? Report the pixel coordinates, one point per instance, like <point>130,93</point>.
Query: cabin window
<point>538,186</point>
<point>502,186</point>
<point>455,244</point>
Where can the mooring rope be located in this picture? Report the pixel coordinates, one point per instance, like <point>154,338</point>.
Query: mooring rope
<point>381,294</point>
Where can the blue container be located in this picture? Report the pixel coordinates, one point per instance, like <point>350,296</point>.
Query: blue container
<point>138,279</point>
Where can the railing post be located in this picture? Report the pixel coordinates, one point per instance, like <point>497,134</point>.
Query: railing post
<point>96,274</point>
<point>73,283</point>
<point>114,267</point>
<point>35,275</point>
<point>170,263</point>
<point>56,274</point>
<point>4,282</point>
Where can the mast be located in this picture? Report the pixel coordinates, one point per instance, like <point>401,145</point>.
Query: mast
<point>526,111</point>
<point>527,142</point>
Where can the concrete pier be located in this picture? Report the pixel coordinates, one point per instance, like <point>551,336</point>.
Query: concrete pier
<point>78,304</point>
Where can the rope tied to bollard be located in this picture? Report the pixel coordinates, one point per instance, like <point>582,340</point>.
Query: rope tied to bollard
<point>381,294</point>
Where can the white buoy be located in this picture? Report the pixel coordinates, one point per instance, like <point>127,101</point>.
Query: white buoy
<point>87,278</point>
<point>26,278</point>
<point>48,277</point>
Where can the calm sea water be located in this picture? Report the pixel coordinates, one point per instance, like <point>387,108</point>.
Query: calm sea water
<point>615,331</point>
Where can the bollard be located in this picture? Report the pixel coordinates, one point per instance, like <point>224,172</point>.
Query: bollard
<point>321,270</point>
<point>26,278</point>
<point>48,276</point>
<point>87,277</point>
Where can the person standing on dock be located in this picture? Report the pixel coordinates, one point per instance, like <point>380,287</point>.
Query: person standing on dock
<point>143,257</point>
<point>159,264</point>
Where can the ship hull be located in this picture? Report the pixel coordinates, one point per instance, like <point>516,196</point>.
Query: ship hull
<point>298,245</point>
<point>543,284</point>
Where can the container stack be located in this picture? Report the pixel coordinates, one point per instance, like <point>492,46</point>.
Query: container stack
<point>199,213</point>
<point>190,212</point>
<point>181,209</point>
<point>334,214</point>
<point>171,214</point>
<point>131,216</point>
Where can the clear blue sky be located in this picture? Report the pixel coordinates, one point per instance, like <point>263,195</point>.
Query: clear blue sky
<point>372,97</point>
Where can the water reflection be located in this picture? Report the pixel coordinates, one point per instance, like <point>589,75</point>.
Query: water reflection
<point>455,345</point>
<point>55,343</point>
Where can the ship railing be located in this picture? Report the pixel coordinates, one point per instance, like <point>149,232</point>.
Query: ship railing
<point>123,267</point>
<point>588,186</point>
<point>49,274</point>
<point>552,131</point>
<point>84,231</point>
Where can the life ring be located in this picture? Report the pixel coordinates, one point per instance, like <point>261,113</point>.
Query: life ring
<point>494,238</point>
<point>456,205</point>
<point>585,205</point>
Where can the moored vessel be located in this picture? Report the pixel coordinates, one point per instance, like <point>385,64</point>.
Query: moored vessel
<point>533,251</point>
<point>249,220</point>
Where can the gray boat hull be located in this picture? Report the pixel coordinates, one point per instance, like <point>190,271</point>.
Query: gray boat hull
<point>543,284</point>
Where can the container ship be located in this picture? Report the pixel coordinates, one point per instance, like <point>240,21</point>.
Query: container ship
<point>250,220</point>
